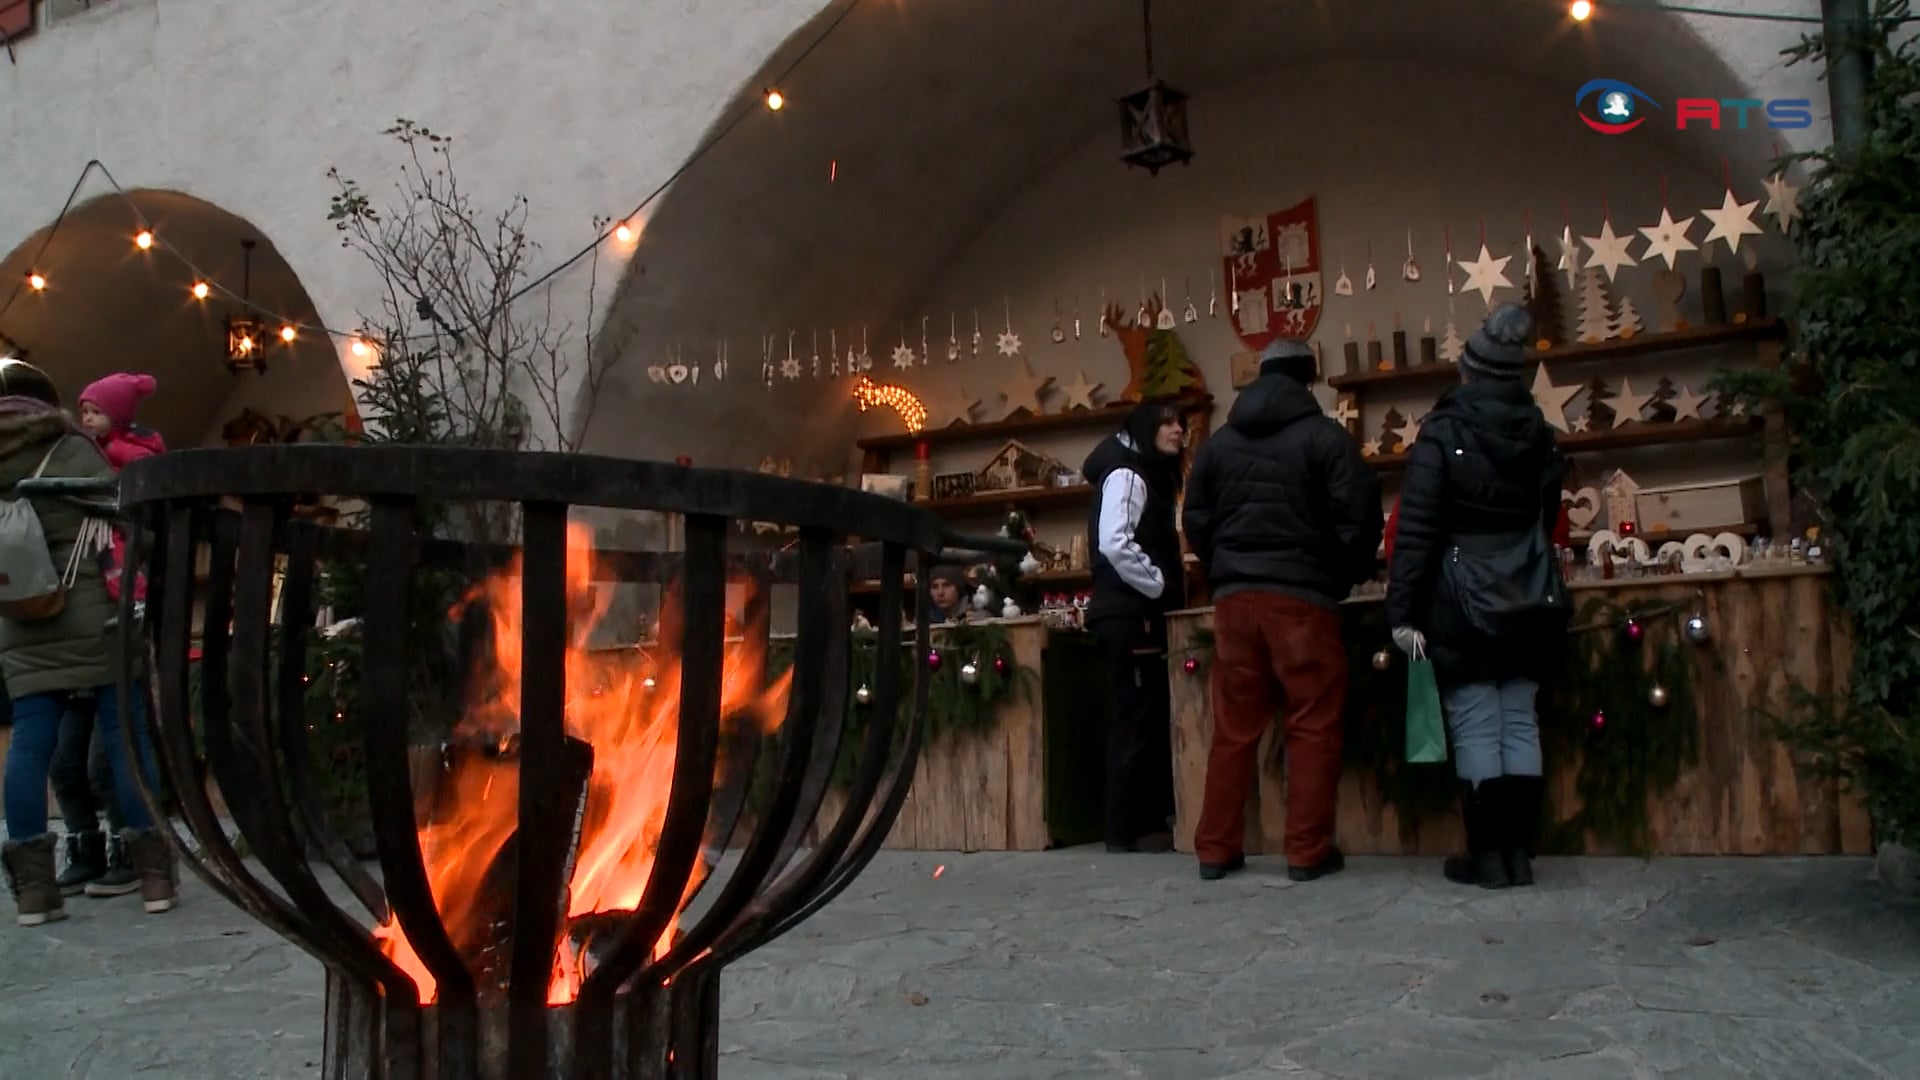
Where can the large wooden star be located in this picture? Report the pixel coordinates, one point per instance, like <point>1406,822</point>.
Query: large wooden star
<point>1686,404</point>
<point>1627,405</point>
<point>1609,251</point>
<point>1783,201</point>
<point>1667,238</point>
<point>1731,221</point>
<point>1486,274</point>
<point>1023,388</point>
<point>1553,399</point>
<point>955,406</point>
<point>1079,393</point>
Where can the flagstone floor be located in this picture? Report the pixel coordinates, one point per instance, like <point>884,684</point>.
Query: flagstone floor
<point>1080,964</point>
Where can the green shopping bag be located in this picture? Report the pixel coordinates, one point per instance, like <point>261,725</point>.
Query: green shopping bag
<point>1426,730</point>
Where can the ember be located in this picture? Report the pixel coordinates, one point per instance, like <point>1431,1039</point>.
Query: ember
<point>628,713</point>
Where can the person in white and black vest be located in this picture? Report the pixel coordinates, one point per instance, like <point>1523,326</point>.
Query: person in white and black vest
<point>1137,579</point>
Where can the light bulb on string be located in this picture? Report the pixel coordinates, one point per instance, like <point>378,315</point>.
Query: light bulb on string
<point>1581,10</point>
<point>623,233</point>
<point>36,282</point>
<point>143,240</point>
<point>287,334</point>
<point>359,348</point>
<point>776,100</point>
<point>200,290</point>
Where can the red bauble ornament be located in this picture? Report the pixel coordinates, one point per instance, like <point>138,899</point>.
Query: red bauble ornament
<point>1190,665</point>
<point>933,659</point>
<point>999,665</point>
<point>1599,719</point>
<point>1635,631</point>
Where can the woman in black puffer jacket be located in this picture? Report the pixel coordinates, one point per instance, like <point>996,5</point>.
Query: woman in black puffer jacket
<point>1484,476</point>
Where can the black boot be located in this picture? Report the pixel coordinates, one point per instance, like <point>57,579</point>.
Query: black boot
<point>1482,864</point>
<point>86,861</point>
<point>1523,798</point>
<point>120,877</point>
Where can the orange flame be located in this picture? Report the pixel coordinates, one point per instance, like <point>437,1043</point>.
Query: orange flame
<point>629,714</point>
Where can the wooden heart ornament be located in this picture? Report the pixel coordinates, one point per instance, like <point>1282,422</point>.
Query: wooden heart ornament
<point>677,373</point>
<point>1583,507</point>
<point>1732,545</point>
<point>657,372</point>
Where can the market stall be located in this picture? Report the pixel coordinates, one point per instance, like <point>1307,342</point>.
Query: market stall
<point>1657,734</point>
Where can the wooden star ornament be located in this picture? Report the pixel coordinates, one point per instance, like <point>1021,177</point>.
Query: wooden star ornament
<point>1667,238</point>
<point>1023,388</point>
<point>1486,274</point>
<point>1733,220</point>
<point>1783,201</point>
<point>1079,393</point>
<point>1609,251</point>
<point>1553,399</point>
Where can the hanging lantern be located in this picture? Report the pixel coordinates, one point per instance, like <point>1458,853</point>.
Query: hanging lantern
<point>1658,696</point>
<point>246,335</point>
<point>1153,120</point>
<point>1697,630</point>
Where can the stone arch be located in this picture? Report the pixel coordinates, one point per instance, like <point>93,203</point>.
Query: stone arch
<point>932,119</point>
<point>110,306</point>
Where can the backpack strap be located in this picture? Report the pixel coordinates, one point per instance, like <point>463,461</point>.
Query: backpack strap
<point>51,450</point>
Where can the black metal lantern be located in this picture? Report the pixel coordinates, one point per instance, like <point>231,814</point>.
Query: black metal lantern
<point>246,336</point>
<point>1153,119</point>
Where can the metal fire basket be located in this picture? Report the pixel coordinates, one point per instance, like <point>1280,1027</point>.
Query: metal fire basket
<point>635,1015</point>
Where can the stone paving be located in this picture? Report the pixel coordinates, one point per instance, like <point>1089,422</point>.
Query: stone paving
<point>1079,964</point>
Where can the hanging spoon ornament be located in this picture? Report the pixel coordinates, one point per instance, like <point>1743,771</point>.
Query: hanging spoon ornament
<point>1343,285</point>
<point>1141,318</point>
<point>926,354</point>
<point>976,334</point>
<point>1233,289</point>
<point>720,360</point>
<point>1449,241</point>
<point>1213,296</point>
<point>816,354</point>
<point>833,353</point>
<point>1190,314</point>
<point>1166,320</point>
<point>1076,316</point>
<point>1059,327</point>
<point>1103,311</point>
<point>1410,270</point>
<point>1373,279</point>
<point>953,338</point>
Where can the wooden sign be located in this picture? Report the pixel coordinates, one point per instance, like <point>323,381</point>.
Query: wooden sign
<point>1245,368</point>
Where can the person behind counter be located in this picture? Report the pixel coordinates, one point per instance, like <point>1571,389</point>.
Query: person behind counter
<point>1286,516</point>
<point>947,588</point>
<point>1137,579</point>
<point>1470,584</point>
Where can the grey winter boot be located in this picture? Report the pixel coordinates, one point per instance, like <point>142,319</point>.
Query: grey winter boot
<point>120,877</point>
<point>86,861</point>
<point>153,860</point>
<point>36,890</point>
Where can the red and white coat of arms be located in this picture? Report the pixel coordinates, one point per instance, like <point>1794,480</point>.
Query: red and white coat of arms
<point>1272,272</point>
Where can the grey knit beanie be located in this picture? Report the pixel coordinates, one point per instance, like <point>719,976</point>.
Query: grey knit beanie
<point>1498,349</point>
<point>1291,357</point>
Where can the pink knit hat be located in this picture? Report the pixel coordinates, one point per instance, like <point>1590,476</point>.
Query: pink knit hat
<point>118,395</point>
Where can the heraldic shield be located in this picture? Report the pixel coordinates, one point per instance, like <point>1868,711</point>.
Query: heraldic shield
<point>1272,268</point>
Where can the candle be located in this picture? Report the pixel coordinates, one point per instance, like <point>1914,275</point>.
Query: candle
<point>1399,350</point>
<point>1429,350</point>
<point>1373,356</point>
<point>1753,295</point>
<point>1351,354</point>
<point>1712,300</point>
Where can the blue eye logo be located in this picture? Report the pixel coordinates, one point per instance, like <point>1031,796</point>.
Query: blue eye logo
<point>1618,106</point>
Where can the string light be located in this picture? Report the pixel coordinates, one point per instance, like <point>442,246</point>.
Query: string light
<point>287,334</point>
<point>871,394</point>
<point>359,348</point>
<point>1580,10</point>
<point>143,240</point>
<point>200,290</point>
<point>36,282</point>
<point>623,233</point>
<point>776,100</point>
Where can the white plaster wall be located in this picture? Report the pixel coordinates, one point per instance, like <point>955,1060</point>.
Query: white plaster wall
<point>1378,168</point>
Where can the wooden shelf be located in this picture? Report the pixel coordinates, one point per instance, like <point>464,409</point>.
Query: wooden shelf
<point>1026,499</point>
<point>1048,580</point>
<point>1106,416</point>
<point>1639,345</point>
<point>1625,438</point>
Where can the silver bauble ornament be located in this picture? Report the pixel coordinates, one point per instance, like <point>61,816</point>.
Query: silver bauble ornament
<point>1696,630</point>
<point>969,673</point>
<point>1382,660</point>
<point>863,695</point>
<point>1658,696</point>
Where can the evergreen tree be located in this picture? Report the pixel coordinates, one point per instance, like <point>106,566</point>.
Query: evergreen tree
<point>1596,316</point>
<point>1543,302</point>
<point>1170,371</point>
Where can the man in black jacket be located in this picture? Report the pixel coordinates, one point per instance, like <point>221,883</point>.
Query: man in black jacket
<point>1137,579</point>
<point>1286,515</point>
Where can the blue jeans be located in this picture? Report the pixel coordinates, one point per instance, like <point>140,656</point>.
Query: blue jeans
<point>1495,729</point>
<point>82,776</point>
<point>36,731</point>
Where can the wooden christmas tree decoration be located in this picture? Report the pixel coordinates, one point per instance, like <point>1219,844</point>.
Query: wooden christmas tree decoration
<point>1390,426</point>
<point>1596,316</point>
<point>1157,361</point>
<point>1549,318</point>
<point>1599,414</point>
<point>1451,345</point>
<point>1660,408</point>
<point>1626,321</point>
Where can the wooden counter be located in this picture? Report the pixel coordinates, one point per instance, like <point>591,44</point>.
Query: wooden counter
<point>1743,796</point>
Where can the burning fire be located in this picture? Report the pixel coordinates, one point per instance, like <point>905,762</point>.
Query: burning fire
<point>630,715</point>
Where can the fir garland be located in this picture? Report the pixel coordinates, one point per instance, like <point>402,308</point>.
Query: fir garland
<point>1596,709</point>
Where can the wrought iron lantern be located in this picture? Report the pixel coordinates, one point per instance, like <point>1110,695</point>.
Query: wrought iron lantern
<point>246,335</point>
<point>1153,119</point>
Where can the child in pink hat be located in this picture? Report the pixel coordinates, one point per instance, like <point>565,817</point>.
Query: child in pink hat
<point>106,413</point>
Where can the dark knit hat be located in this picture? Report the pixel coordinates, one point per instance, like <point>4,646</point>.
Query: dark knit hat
<point>1291,357</point>
<point>1498,350</point>
<point>949,573</point>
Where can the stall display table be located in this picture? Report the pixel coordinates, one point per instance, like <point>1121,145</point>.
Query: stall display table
<point>1772,629</point>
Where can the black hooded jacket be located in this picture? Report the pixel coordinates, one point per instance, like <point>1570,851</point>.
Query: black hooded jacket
<point>1485,464</point>
<point>1280,499</point>
<point>1156,532</point>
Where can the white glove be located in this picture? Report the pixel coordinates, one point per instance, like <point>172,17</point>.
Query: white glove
<point>1410,641</point>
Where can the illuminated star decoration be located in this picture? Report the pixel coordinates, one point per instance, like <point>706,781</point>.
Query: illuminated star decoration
<point>1079,393</point>
<point>1553,399</point>
<point>903,355</point>
<point>1609,251</point>
<point>1627,405</point>
<point>1783,201</point>
<point>1686,404</point>
<point>1731,221</point>
<point>1570,257</point>
<point>1009,343</point>
<point>1667,238</point>
<point>1023,388</point>
<point>1486,274</point>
